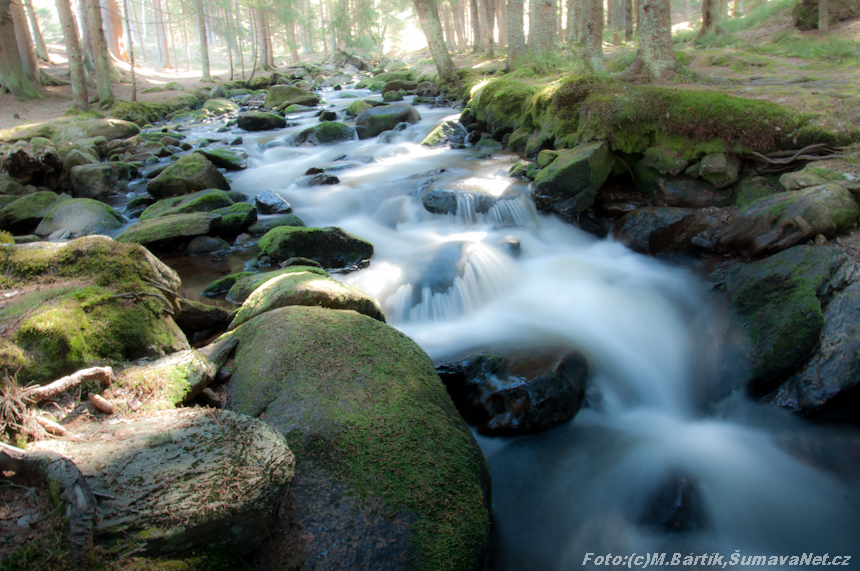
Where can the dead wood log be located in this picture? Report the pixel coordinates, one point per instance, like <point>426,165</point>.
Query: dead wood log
<point>38,394</point>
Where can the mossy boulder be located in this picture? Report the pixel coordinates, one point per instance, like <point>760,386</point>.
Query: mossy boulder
<point>809,175</point>
<point>501,105</point>
<point>331,247</point>
<point>76,157</point>
<point>260,121</point>
<point>160,470</point>
<point>24,214</point>
<point>263,226</point>
<point>167,382</point>
<point>325,133</point>
<point>237,218</point>
<point>446,133</point>
<point>546,158</point>
<point>752,188</point>
<point>80,216</point>
<point>381,451</point>
<point>162,230</point>
<point>189,174</point>
<point>665,160</point>
<point>780,300</point>
<point>220,106</point>
<point>201,201</point>
<point>93,305</point>
<point>720,169</point>
<point>357,107</point>
<point>101,181</point>
<point>222,158</point>
<point>569,185</point>
<point>307,102</point>
<point>245,286</point>
<point>109,128</point>
<point>222,285</point>
<point>783,220</point>
<point>384,118</point>
<point>680,191</point>
<point>303,287</point>
<point>392,96</point>
<point>280,94</point>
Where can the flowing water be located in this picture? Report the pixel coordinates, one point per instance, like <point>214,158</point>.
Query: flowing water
<point>506,278</point>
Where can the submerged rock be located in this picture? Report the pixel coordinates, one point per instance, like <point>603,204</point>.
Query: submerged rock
<point>386,472</point>
<point>182,479</point>
<point>201,201</point>
<point>676,506</point>
<point>222,158</point>
<point>446,134</point>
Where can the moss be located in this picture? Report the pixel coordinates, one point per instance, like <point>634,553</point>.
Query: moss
<point>282,220</point>
<point>220,106</point>
<point>141,112</point>
<point>326,133</point>
<point>501,104</point>
<point>169,227</point>
<point>201,201</point>
<point>382,422</point>
<point>222,285</point>
<point>6,237</point>
<point>236,218</point>
<point>357,108</point>
<point>331,247</point>
<point>243,286</point>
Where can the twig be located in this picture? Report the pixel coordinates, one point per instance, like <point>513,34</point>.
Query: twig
<point>38,394</point>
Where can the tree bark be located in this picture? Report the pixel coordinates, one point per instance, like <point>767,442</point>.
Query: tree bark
<point>115,34</point>
<point>25,42</point>
<point>88,53</point>
<point>542,28</point>
<point>73,52</point>
<point>12,75</point>
<point>161,33</point>
<point>293,43</point>
<point>570,31</point>
<point>38,40</point>
<point>710,15</point>
<point>823,16</point>
<point>241,42</point>
<point>655,57</point>
<point>204,46</point>
<point>724,10</point>
<point>270,52</point>
<point>428,17</point>
<point>449,30</point>
<point>516,34</point>
<point>502,19</point>
<point>130,51</point>
<point>103,69</point>
<point>594,36</point>
<point>628,20</point>
<point>490,6</point>
<point>476,25</point>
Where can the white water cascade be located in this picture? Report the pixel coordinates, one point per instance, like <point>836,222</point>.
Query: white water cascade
<point>511,279</point>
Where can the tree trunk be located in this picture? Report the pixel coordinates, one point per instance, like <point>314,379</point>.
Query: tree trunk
<point>428,17</point>
<point>88,53</point>
<point>103,85</point>
<point>38,40</point>
<point>724,10</point>
<point>481,17</point>
<point>204,46</point>
<point>611,15</point>
<point>449,30</point>
<point>25,43</point>
<point>241,42</point>
<point>293,43</point>
<point>140,26</point>
<point>490,6</point>
<point>73,53</point>
<point>131,51</point>
<point>594,35</point>
<point>115,34</point>
<point>709,18</point>
<point>570,30</point>
<point>655,57</point>
<point>172,39</point>
<point>12,75</point>
<point>559,18</point>
<point>161,33</point>
<point>476,25</point>
<point>502,19</point>
<point>309,10</point>
<point>542,28</point>
<point>270,52</point>
<point>516,34</point>
<point>823,16</point>
<point>460,23</point>
<point>628,20</point>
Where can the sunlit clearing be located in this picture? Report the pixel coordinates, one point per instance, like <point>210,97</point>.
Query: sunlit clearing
<point>682,27</point>
<point>411,38</point>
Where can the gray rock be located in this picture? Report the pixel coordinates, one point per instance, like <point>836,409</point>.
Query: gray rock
<point>665,160</point>
<point>24,214</point>
<point>569,185</point>
<point>259,121</point>
<point>660,230</point>
<point>374,121</point>
<point>101,181</point>
<point>270,203</point>
<point>168,228</point>
<point>189,174</point>
<point>720,169</point>
<point>80,216</point>
<point>331,247</point>
<point>205,245</point>
<point>446,133</point>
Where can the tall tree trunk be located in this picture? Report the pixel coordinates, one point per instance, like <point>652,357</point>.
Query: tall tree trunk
<point>184,16</point>
<point>559,18</point>
<point>161,33</point>
<point>628,20</point>
<point>73,53</point>
<point>140,26</point>
<point>241,42</point>
<point>570,31</point>
<point>172,38</point>
<point>502,19</point>
<point>709,18</point>
<point>231,37</point>
<point>115,34</point>
<point>460,23</point>
<point>476,25</point>
<point>103,69</point>
<point>542,28</point>
<point>739,8</point>
<point>823,16</point>
<point>38,40</point>
<point>594,35</point>
<point>449,29</point>
<point>270,51</point>
<point>724,10</point>
<point>25,43</point>
<point>12,75</point>
<point>516,34</point>
<point>130,51</point>
<point>611,15</point>
<point>482,20</point>
<point>428,17</point>
<point>292,43</point>
<point>88,53</point>
<point>490,7</point>
<point>204,46</point>
<point>579,29</point>
<point>655,57</point>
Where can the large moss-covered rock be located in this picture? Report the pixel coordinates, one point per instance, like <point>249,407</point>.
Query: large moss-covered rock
<point>109,128</point>
<point>446,133</point>
<point>237,218</point>
<point>222,285</point>
<point>260,121</point>
<point>280,94</point>
<point>569,185</point>
<point>189,174</point>
<point>752,188</point>
<point>220,106</point>
<point>357,107</point>
<point>93,304</point>
<point>80,216</point>
<point>384,118</point>
<point>100,181</point>
<point>386,472</point>
<point>326,133</point>
<point>501,105</point>
<point>720,169</point>
<point>24,214</point>
<point>222,158</point>
<point>180,480</point>
<point>165,229</point>
<point>202,201</point>
<point>780,221</point>
<point>305,288</point>
<point>331,247</point>
<point>167,382</point>
<point>660,230</point>
<point>244,286</point>
<point>780,300</point>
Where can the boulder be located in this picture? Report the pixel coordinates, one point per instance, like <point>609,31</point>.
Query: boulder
<point>750,189</point>
<point>200,321</point>
<point>89,301</point>
<point>660,230</point>
<point>101,181</point>
<point>386,473</point>
<point>222,158</point>
<point>440,200</point>
<point>780,221</point>
<point>237,218</point>
<point>720,169</point>
<point>182,479</point>
<point>164,229</point>
<point>201,201</point>
<point>189,174</point>
<point>328,116</point>
<point>832,370</point>
<point>569,185</point>
<point>810,175</point>
<point>280,94</point>
<point>779,300</point>
<point>74,158</point>
<point>326,133</point>
<point>331,247</point>
<point>392,96</point>
<point>305,288</point>
<point>222,285</point>
<point>24,214</point>
<point>665,160</point>
<point>680,191</point>
<point>269,202</point>
<point>245,286</point>
<point>220,106</point>
<point>109,128</point>
<point>446,133</point>
<point>261,227</point>
<point>259,121</point>
<point>80,216</point>
<point>181,376</point>
<point>38,164</point>
<point>357,107</point>
<point>205,245</point>
<point>374,121</point>
<point>397,84</point>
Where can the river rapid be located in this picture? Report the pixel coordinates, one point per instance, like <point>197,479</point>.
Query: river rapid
<point>658,342</point>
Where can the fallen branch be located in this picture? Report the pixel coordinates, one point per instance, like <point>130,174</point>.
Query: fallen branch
<point>101,403</point>
<point>38,394</point>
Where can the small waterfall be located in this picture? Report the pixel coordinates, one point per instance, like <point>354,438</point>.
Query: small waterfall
<point>475,208</point>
